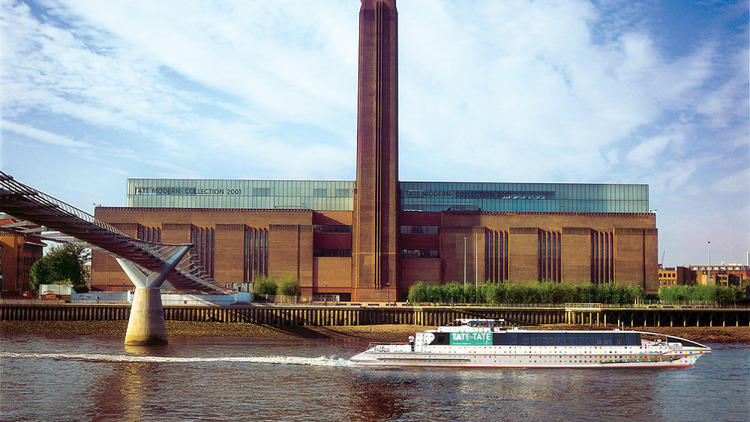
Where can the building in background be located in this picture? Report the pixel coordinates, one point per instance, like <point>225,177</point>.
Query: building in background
<point>721,275</point>
<point>18,253</point>
<point>676,276</point>
<point>372,238</point>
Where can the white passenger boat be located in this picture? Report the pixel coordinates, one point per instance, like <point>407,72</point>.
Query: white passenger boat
<point>488,343</point>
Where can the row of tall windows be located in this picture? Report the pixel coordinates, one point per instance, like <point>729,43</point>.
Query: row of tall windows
<point>496,256</point>
<point>419,229</point>
<point>549,256</point>
<point>337,228</point>
<point>420,253</point>
<point>602,257</point>
<point>332,252</point>
<point>203,240</point>
<point>149,234</point>
<point>496,251</point>
<point>255,253</point>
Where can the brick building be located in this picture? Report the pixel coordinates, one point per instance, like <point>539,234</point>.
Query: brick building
<point>673,276</point>
<point>372,238</point>
<point>722,275</point>
<point>18,253</point>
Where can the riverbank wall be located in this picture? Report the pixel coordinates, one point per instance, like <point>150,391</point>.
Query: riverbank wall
<point>337,315</point>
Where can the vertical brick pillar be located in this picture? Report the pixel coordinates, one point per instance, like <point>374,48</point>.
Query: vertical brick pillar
<point>523,248</point>
<point>576,254</point>
<point>375,226</point>
<point>229,253</point>
<point>291,253</point>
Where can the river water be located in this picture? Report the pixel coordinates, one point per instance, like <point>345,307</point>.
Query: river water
<point>215,378</point>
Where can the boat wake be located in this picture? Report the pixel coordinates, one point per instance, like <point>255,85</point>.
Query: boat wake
<point>271,360</point>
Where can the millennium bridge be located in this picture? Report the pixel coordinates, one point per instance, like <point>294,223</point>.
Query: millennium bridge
<point>148,265</point>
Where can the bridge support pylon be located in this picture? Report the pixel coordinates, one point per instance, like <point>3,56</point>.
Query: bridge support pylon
<point>146,325</point>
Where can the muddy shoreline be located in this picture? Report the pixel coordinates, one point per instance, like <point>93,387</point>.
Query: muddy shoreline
<point>386,332</point>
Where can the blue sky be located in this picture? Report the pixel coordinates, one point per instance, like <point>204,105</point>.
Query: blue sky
<point>517,91</point>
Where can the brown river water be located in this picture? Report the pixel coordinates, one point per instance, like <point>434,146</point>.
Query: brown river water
<point>215,378</point>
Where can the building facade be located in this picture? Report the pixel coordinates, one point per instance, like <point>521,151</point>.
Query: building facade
<point>18,253</point>
<point>676,276</point>
<point>720,275</point>
<point>473,232</point>
<point>371,239</point>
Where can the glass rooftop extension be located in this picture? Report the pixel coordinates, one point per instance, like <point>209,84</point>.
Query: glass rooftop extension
<point>252,194</point>
<point>524,197</point>
<point>415,196</point>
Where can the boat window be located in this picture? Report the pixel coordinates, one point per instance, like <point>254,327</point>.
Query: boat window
<point>633,339</point>
<point>576,339</point>
<point>605,339</point>
<point>441,339</point>
<point>504,339</point>
<point>547,339</point>
<point>568,339</point>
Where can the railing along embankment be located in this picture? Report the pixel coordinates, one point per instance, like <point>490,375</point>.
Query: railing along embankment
<point>314,315</point>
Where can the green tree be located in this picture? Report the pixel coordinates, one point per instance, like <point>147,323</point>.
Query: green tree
<point>289,286</point>
<point>721,295</point>
<point>540,292</point>
<point>418,293</point>
<point>39,273</point>
<point>435,294</point>
<point>454,292</point>
<point>265,286</point>
<point>62,264</point>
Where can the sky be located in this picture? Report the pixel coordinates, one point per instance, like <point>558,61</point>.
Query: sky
<point>605,91</point>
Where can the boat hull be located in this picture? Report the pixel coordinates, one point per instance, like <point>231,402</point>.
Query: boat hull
<point>531,359</point>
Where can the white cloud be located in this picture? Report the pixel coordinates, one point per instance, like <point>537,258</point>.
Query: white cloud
<point>736,183</point>
<point>515,90</point>
<point>728,103</point>
<point>42,135</point>
<point>537,85</point>
<point>645,153</point>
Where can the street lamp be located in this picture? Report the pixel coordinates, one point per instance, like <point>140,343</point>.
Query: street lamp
<point>708,281</point>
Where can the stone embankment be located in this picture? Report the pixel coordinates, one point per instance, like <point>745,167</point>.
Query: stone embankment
<point>384,332</point>
<point>357,314</point>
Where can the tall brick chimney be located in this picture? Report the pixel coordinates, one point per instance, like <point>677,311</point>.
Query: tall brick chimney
<point>375,254</point>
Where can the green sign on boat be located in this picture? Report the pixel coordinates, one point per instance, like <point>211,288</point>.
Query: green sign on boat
<point>471,339</point>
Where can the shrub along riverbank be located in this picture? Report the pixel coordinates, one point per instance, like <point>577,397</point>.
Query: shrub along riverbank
<point>546,293</point>
<point>721,295</point>
<point>525,293</point>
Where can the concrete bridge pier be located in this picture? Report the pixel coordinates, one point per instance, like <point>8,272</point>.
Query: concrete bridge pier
<point>146,325</point>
